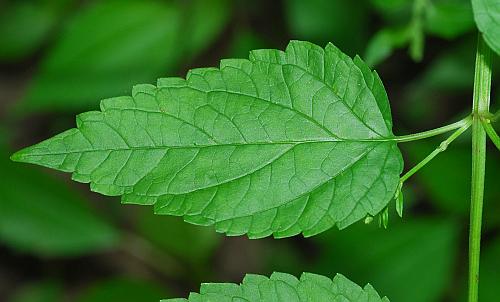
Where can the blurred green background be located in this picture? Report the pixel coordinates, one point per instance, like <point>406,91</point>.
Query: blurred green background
<point>60,242</point>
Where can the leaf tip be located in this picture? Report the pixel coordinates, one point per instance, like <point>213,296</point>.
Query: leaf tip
<point>18,156</point>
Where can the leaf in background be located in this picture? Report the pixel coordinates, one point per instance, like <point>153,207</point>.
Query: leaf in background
<point>285,287</point>
<point>449,18</point>
<point>244,42</point>
<point>383,43</point>
<point>450,71</point>
<point>204,20</point>
<point>41,215</point>
<point>486,15</point>
<point>25,25</point>
<point>123,290</point>
<point>409,21</point>
<point>284,143</point>
<point>417,252</point>
<point>323,21</point>
<point>45,291</point>
<point>188,242</point>
<point>393,11</point>
<point>446,79</point>
<point>111,45</point>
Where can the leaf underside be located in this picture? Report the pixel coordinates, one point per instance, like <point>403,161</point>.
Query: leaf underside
<point>286,288</point>
<point>487,16</point>
<point>283,143</point>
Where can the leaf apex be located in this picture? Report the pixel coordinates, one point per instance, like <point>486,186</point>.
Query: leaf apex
<point>20,156</point>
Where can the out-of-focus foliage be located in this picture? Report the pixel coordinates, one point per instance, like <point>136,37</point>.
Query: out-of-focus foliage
<point>244,42</point>
<point>25,25</point>
<point>420,251</point>
<point>44,291</point>
<point>487,16</point>
<point>190,243</point>
<point>110,46</point>
<point>322,21</point>
<point>448,18</point>
<point>40,215</point>
<point>447,179</point>
<point>408,21</point>
<point>490,274</point>
<point>56,54</point>
<point>123,290</point>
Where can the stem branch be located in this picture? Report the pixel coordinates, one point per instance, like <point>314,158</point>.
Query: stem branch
<point>434,132</point>
<point>465,124</point>
<point>442,147</point>
<point>480,105</point>
<point>491,133</point>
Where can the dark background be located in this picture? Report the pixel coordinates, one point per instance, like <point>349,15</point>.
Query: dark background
<point>60,242</point>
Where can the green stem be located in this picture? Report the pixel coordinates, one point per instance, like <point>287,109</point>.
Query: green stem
<point>480,106</point>
<point>417,30</point>
<point>465,124</point>
<point>442,147</point>
<point>433,132</point>
<point>491,132</point>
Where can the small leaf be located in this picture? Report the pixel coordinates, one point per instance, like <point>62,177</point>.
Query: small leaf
<point>285,288</point>
<point>384,218</point>
<point>399,202</point>
<point>40,215</point>
<point>284,143</point>
<point>486,15</point>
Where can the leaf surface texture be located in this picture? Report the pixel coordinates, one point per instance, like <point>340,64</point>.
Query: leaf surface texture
<point>286,288</point>
<point>287,142</point>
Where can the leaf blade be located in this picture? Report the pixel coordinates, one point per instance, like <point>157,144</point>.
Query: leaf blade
<point>285,287</point>
<point>287,142</point>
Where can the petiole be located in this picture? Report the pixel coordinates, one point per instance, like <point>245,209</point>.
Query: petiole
<point>466,123</point>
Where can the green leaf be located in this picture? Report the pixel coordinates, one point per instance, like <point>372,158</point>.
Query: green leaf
<point>111,45</point>
<point>122,289</point>
<point>284,143</point>
<point>40,215</point>
<point>486,15</point>
<point>285,287</point>
<point>420,252</point>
